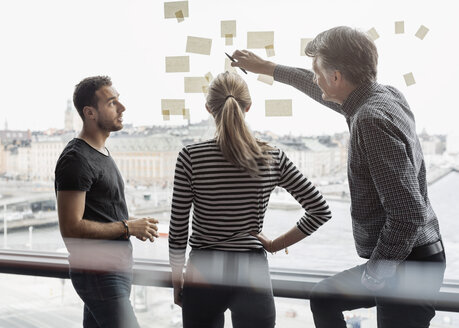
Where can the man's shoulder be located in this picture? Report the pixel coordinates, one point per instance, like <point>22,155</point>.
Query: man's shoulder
<point>72,151</point>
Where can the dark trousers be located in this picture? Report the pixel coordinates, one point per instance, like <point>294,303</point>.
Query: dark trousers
<point>239,281</point>
<point>407,300</point>
<point>106,299</point>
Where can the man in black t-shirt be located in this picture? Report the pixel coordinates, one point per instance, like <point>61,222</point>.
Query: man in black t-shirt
<point>93,216</point>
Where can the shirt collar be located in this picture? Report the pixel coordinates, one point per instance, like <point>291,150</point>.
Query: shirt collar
<point>356,97</point>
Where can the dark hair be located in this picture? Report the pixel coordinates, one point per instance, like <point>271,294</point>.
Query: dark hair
<point>347,50</point>
<point>85,92</point>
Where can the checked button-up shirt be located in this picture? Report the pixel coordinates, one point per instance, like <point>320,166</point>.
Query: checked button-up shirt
<point>390,208</point>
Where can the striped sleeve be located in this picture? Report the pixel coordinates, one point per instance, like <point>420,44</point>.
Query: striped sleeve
<point>182,199</point>
<point>316,208</point>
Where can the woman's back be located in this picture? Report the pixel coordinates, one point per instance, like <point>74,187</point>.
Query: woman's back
<point>228,203</point>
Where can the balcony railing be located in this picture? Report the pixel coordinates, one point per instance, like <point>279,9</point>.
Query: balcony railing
<point>286,283</point>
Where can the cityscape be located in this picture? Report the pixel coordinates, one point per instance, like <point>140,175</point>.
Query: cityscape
<point>146,157</point>
<point>146,154</point>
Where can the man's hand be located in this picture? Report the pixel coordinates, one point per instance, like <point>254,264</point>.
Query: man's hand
<point>144,228</point>
<point>267,243</point>
<point>253,63</point>
<point>370,282</point>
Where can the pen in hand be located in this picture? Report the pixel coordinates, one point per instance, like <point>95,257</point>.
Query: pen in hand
<point>232,59</point>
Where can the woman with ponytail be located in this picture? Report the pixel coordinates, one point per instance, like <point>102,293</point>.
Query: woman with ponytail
<point>228,181</point>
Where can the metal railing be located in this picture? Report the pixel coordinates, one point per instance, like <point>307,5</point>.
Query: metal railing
<point>286,282</point>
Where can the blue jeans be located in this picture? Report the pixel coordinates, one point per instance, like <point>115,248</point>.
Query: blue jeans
<point>106,299</point>
<point>219,280</point>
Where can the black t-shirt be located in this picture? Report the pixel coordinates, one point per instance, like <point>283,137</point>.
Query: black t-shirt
<point>82,168</point>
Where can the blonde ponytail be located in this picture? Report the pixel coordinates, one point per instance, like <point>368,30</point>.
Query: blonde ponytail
<point>227,99</point>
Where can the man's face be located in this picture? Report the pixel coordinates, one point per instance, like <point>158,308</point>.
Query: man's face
<point>109,109</point>
<point>323,79</point>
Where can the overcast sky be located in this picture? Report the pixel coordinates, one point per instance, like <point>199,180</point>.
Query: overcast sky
<point>49,46</point>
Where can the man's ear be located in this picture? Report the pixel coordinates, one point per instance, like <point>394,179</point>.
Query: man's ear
<point>89,112</point>
<point>337,77</point>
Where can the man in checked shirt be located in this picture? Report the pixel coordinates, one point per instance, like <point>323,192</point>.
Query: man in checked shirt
<point>394,225</point>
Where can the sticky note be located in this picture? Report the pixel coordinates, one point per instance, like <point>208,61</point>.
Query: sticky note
<point>266,79</point>
<point>209,77</point>
<point>399,27</point>
<point>195,84</point>
<point>373,34</point>
<point>172,106</point>
<point>278,107</point>
<point>198,45</point>
<point>228,27</point>
<point>257,40</point>
<point>186,113</point>
<point>409,79</point>
<point>422,32</point>
<point>177,64</point>
<point>228,40</point>
<point>179,16</point>
<point>172,9</point>
<point>270,50</point>
<point>303,44</point>
<point>228,66</point>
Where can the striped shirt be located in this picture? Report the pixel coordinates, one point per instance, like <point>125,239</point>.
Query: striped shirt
<point>390,208</point>
<point>228,203</point>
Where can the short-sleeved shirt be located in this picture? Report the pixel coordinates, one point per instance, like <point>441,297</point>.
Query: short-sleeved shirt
<point>80,167</point>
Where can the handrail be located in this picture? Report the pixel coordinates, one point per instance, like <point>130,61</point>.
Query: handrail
<point>287,283</point>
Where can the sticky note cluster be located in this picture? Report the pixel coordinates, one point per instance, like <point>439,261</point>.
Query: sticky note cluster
<point>176,9</point>
<point>174,107</point>
<point>228,31</point>
<point>260,40</point>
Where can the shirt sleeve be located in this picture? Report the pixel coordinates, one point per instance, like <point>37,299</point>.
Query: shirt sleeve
<point>182,199</point>
<point>396,183</point>
<point>316,208</point>
<point>303,80</point>
<point>73,173</point>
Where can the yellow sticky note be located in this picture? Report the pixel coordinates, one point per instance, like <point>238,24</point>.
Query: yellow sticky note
<point>172,106</point>
<point>422,32</point>
<point>304,43</point>
<point>209,77</point>
<point>186,113</point>
<point>228,40</point>
<point>259,40</point>
<point>278,107</point>
<point>228,27</point>
<point>171,9</point>
<point>399,27</point>
<point>373,34</point>
<point>195,84</point>
<point>270,50</point>
<point>409,79</point>
<point>266,79</point>
<point>166,114</point>
<point>177,64</point>
<point>198,45</point>
<point>179,16</point>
